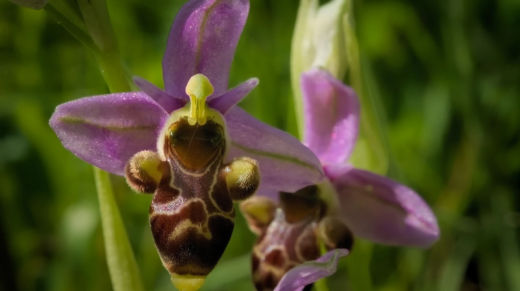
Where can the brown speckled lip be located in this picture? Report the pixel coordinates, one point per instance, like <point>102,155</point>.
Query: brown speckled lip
<point>292,238</point>
<point>288,241</point>
<point>192,213</point>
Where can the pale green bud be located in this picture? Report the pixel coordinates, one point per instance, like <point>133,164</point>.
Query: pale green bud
<point>319,37</point>
<point>319,40</point>
<point>324,37</point>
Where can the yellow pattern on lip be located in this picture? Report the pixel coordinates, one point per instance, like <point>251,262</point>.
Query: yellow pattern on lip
<point>198,88</point>
<point>187,282</point>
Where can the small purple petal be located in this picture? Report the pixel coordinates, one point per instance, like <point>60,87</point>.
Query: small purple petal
<point>203,40</point>
<point>285,164</point>
<point>311,271</point>
<point>224,103</point>
<point>107,130</point>
<point>169,103</point>
<point>331,111</point>
<point>382,210</point>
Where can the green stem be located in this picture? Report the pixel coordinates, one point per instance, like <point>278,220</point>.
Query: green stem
<point>113,72</point>
<point>306,12</point>
<point>97,21</point>
<point>321,284</point>
<point>101,41</point>
<point>122,265</point>
<point>358,264</point>
<point>371,153</point>
<point>72,28</point>
<point>120,258</point>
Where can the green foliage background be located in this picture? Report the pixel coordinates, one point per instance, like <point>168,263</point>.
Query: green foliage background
<point>446,76</point>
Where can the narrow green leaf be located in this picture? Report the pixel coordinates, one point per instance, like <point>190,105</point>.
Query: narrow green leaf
<point>507,240</point>
<point>371,151</point>
<point>124,272</point>
<point>321,284</point>
<point>452,273</point>
<point>358,265</point>
<point>299,63</point>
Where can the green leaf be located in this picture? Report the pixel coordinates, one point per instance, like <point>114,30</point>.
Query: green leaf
<point>124,272</point>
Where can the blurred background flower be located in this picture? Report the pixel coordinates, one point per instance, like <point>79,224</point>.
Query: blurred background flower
<point>445,79</point>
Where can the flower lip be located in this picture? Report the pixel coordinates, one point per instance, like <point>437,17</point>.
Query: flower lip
<point>289,235</point>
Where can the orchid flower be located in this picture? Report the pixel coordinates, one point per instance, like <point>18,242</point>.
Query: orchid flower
<point>189,144</point>
<point>368,205</point>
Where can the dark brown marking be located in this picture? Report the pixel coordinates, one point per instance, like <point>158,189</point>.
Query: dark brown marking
<point>308,244</point>
<point>191,253</point>
<point>336,234</point>
<point>164,192</point>
<point>195,146</point>
<point>221,197</point>
<point>275,258</point>
<point>266,281</point>
<point>192,211</point>
<point>255,262</point>
<point>300,205</point>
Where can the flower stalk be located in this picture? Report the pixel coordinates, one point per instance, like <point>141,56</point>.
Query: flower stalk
<point>358,266</point>
<point>122,266</point>
<point>100,40</point>
<point>124,272</point>
<point>321,284</point>
<point>97,21</point>
<point>372,150</point>
<point>71,26</point>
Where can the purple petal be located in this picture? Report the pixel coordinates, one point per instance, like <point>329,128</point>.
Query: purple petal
<point>285,164</point>
<point>169,103</point>
<point>382,210</point>
<point>107,130</point>
<point>266,191</point>
<point>331,111</point>
<point>231,98</point>
<point>202,40</point>
<point>311,271</point>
